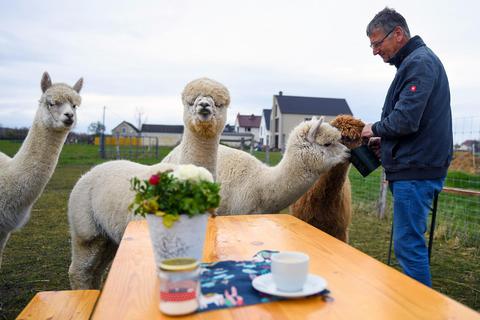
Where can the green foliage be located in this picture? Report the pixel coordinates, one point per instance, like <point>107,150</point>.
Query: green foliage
<point>171,197</point>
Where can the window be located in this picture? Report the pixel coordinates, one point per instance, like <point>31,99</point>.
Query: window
<point>249,129</point>
<point>307,119</point>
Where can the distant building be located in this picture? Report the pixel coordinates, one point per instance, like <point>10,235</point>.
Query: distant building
<point>229,128</point>
<point>167,135</point>
<point>469,145</point>
<point>265,127</point>
<point>170,135</point>
<point>125,129</point>
<point>289,111</point>
<point>248,124</point>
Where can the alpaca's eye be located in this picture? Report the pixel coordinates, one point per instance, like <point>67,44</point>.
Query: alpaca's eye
<point>74,106</point>
<point>50,104</point>
<point>220,105</point>
<point>327,144</point>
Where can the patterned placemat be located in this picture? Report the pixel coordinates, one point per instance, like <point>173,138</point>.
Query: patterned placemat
<point>227,284</point>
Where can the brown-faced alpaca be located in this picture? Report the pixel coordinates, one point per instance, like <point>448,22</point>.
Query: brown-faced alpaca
<point>327,204</point>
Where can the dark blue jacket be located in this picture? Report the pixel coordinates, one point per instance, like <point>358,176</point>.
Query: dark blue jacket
<point>416,122</point>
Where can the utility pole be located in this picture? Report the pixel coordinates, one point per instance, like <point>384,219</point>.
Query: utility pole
<point>103,122</point>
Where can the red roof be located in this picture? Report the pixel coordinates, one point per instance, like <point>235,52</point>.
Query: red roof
<point>249,121</point>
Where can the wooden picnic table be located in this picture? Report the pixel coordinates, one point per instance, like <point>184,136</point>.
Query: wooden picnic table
<point>361,286</point>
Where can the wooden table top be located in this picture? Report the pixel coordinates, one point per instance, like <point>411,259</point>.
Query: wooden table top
<point>362,287</point>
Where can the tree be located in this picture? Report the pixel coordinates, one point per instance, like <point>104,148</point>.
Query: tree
<point>96,128</point>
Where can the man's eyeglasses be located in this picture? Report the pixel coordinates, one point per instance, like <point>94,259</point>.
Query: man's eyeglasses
<point>377,44</point>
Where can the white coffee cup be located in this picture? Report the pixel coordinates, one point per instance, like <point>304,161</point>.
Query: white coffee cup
<point>290,270</point>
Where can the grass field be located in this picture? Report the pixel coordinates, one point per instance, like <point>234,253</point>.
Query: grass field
<point>37,257</point>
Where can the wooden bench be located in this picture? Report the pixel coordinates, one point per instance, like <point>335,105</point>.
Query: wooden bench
<point>70,304</point>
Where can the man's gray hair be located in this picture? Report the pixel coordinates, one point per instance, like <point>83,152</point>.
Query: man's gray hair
<point>387,20</point>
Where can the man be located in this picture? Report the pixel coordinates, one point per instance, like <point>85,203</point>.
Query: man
<point>415,131</point>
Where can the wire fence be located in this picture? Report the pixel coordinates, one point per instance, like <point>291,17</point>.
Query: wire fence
<point>458,213</point>
<point>127,147</point>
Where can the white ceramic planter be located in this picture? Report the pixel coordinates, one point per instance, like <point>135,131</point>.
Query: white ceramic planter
<point>184,239</point>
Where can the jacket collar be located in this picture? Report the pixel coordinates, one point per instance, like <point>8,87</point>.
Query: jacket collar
<point>409,47</point>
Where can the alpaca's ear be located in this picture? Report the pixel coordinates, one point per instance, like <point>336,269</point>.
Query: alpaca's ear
<point>46,82</point>
<point>78,86</point>
<point>312,133</point>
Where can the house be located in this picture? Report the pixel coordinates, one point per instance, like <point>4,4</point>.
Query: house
<point>248,124</point>
<point>289,111</point>
<point>167,135</point>
<point>265,127</point>
<point>469,145</point>
<point>125,129</point>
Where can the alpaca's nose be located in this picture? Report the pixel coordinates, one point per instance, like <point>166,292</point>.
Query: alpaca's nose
<point>69,115</point>
<point>204,104</point>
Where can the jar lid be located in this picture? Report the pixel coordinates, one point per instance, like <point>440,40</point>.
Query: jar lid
<point>179,264</point>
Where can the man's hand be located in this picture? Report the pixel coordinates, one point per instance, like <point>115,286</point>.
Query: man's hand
<point>374,144</point>
<point>367,131</point>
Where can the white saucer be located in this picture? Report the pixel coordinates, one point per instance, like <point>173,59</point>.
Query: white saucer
<point>314,284</point>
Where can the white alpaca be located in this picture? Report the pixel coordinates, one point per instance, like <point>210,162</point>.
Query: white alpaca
<point>97,209</point>
<point>201,136</point>
<point>23,177</point>
<point>250,186</point>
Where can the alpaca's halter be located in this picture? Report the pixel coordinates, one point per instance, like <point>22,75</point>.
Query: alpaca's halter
<point>50,111</point>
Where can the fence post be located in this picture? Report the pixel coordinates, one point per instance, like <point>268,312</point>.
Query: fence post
<point>117,146</point>
<point>130,151</point>
<point>102,146</point>
<point>473,156</point>
<point>242,142</point>
<point>251,145</point>
<point>267,154</point>
<point>382,201</point>
<point>156,148</point>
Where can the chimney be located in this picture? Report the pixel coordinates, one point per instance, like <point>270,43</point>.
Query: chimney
<point>280,93</point>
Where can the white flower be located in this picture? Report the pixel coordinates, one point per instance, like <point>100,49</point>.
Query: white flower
<point>192,173</point>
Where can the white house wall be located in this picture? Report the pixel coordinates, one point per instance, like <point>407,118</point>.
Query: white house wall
<point>290,121</point>
<point>129,131</point>
<point>264,133</point>
<point>164,139</point>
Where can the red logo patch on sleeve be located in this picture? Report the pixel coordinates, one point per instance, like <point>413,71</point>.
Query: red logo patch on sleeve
<point>413,88</point>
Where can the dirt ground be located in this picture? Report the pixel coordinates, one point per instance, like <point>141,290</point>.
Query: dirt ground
<point>464,161</point>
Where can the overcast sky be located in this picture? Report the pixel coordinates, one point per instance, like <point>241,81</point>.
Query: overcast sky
<point>136,56</point>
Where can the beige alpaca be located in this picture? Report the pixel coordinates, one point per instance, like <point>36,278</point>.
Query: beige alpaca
<point>23,177</point>
<point>327,204</point>
<point>97,209</point>
<point>250,186</point>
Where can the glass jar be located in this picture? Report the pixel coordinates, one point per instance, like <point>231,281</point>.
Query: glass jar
<point>179,286</point>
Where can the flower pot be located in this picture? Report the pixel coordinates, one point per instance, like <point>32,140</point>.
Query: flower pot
<point>184,239</point>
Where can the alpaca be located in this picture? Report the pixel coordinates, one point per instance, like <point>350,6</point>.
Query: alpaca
<point>201,135</point>
<point>327,204</point>
<point>23,177</point>
<point>250,186</point>
<point>98,214</point>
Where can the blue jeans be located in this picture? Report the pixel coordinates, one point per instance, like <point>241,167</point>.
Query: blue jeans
<point>412,200</point>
